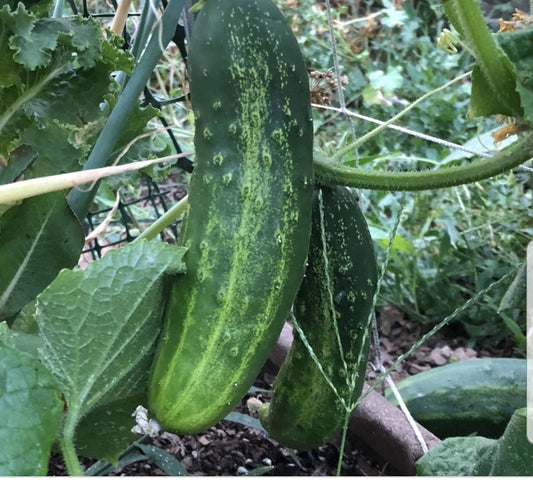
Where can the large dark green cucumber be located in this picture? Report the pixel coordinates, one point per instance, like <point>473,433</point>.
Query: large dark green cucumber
<point>338,287</point>
<point>249,217</point>
<point>473,396</point>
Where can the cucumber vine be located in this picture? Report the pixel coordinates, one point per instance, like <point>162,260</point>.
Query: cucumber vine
<point>329,172</point>
<point>494,74</point>
<point>497,70</point>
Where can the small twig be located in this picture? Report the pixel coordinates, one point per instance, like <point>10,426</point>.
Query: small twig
<point>340,24</point>
<point>103,226</point>
<point>165,220</point>
<point>119,19</point>
<point>17,191</point>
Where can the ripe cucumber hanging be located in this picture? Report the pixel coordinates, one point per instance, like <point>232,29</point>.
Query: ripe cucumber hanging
<point>249,220</point>
<point>334,303</point>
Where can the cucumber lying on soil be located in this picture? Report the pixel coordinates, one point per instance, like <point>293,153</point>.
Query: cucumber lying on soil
<point>473,396</point>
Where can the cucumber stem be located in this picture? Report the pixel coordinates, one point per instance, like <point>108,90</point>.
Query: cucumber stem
<point>467,17</point>
<point>165,220</point>
<point>68,449</point>
<point>328,172</point>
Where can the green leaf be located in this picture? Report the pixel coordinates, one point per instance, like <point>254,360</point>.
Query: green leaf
<point>515,296</point>
<point>105,431</point>
<point>494,74</point>
<point>389,81</point>
<point>34,49</point>
<point>55,154</point>
<point>259,471</point>
<point>518,46</point>
<point>399,244</point>
<point>245,420</point>
<point>483,102</point>
<point>164,460</point>
<point>100,323</point>
<point>103,467</point>
<point>32,409</point>
<point>512,454</point>
<point>27,343</point>
<point>37,239</point>
<point>455,456</point>
<point>19,160</point>
<point>56,59</point>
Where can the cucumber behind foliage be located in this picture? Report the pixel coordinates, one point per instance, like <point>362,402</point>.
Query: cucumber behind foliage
<point>338,288</point>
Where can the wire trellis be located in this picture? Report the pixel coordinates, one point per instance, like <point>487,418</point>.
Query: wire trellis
<point>131,214</point>
<point>140,205</point>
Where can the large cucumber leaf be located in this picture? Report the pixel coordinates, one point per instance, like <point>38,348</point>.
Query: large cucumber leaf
<point>99,324</point>
<point>455,456</point>
<point>512,454</point>
<point>32,407</point>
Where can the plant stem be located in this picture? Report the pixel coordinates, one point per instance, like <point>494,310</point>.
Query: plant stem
<point>329,172</point>
<point>498,71</point>
<point>343,442</point>
<point>165,220</point>
<point>17,191</point>
<point>67,447</point>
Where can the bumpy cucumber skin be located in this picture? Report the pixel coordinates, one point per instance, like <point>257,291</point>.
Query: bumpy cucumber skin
<point>473,396</point>
<point>304,411</point>
<point>249,218</point>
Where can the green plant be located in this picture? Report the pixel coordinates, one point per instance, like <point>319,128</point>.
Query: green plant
<point>322,377</point>
<point>450,247</point>
<point>96,331</point>
<point>248,224</point>
<point>47,128</point>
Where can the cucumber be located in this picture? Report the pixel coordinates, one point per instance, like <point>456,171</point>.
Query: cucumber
<point>249,220</point>
<point>473,396</point>
<point>305,411</point>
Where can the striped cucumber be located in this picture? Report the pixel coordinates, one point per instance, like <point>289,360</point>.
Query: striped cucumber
<point>337,289</point>
<point>249,219</point>
<point>462,398</point>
